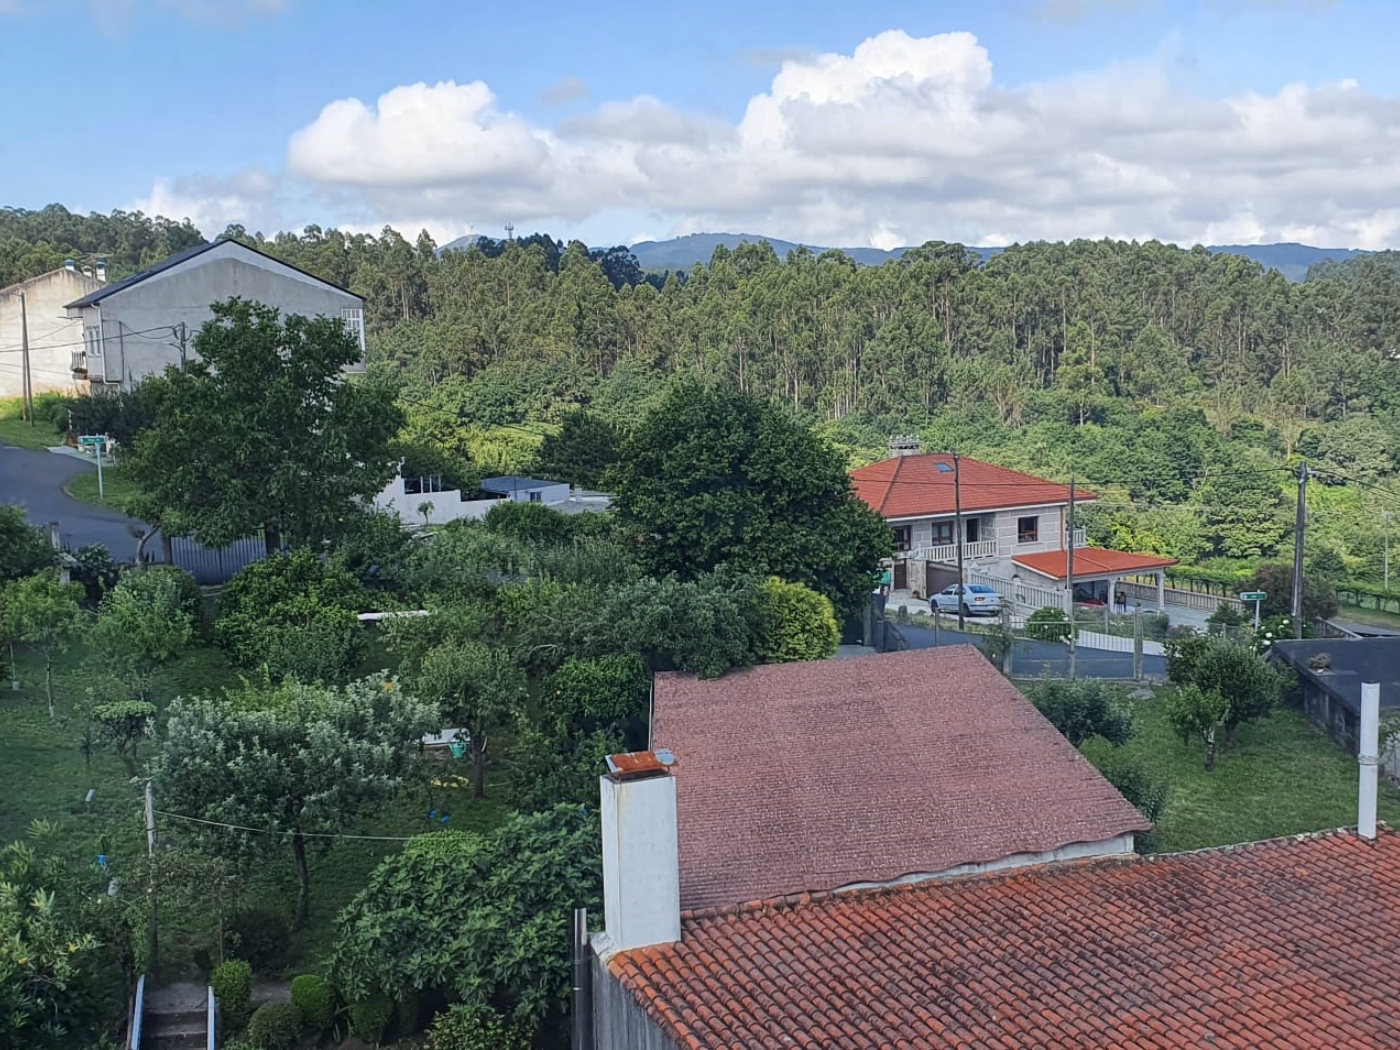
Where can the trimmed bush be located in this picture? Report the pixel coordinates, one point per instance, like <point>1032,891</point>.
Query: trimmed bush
<point>1048,625</point>
<point>274,1026</point>
<point>259,935</point>
<point>476,1028</point>
<point>369,1019</point>
<point>233,987</point>
<point>796,623</point>
<point>314,1000</point>
<point>155,580</point>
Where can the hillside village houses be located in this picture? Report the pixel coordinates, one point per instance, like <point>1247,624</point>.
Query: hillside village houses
<point>35,312</point>
<point>899,850</point>
<point>1014,532</point>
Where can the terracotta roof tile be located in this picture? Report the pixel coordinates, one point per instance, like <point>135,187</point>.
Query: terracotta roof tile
<point>1286,944</point>
<point>813,776</point>
<point>918,486</point>
<point>1091,561</point>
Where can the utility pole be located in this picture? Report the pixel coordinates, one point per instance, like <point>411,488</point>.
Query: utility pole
<point>27,380</point>
<point>1069,575</point>
<point>1299,526</point>
<point>182,346</point>
<point>1386,518</point>
<point>958,539</point>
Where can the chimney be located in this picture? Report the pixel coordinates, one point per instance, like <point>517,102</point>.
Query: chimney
<point>908,445</point>
<point>641,861</point>
<point>87,271</point>
<point>70,265</point>
<point>100,270</point>
<point>1368,754</point>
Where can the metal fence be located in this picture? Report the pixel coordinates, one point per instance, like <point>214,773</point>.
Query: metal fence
<point>214,565</point>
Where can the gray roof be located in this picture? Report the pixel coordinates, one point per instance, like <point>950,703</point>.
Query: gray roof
<point>510,483</point>
<point>181,257</point>
<point>1354,660</point>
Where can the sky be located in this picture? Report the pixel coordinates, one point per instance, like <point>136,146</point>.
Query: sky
<point>845,124</point>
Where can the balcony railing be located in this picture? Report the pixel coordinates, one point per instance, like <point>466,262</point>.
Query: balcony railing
<point>947,552</point>
<point>1079,538</point>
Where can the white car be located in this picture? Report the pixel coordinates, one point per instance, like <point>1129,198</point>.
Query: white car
<point>977,600</point>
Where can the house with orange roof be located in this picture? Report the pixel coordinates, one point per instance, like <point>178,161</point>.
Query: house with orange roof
<point>1014,534</point>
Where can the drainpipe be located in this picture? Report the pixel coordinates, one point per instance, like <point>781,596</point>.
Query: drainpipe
<point>1368,755</point>
<point>582,1013</point>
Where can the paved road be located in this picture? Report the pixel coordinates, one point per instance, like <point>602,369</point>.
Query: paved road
<point>35,481</point>
<point>1032,659</point>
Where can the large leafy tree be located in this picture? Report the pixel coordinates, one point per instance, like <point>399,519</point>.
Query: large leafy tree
<point>715,477</point>
<point>484,917</point>
<point>585,447</point>
<point>292,760</point>
<point>262,430</point>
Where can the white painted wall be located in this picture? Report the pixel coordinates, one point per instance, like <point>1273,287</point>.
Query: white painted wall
<point>131,349</point>
<point>641,862</point>
<point>53,336</point>
<point>447,506</point>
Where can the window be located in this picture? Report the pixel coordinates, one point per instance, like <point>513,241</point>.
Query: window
<point>354,319</point>
<point>941,533</point>
<point>534,495</point>
<point>971,530</point>
<point>903,539</point>
<point>92,340</point>
<point>421,484</point>
<point>1027,529</point>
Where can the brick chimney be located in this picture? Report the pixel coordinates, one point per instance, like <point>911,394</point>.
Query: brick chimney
<point>641,859</point>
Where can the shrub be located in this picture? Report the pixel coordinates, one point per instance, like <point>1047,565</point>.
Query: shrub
<point>1319,594</point>
<point>259,935</point>
<point>1048,625</point>
<point>1156,626</point>
<point>314,1000</point>
<point>1084,708</point>
<point>163,579</point>
<point>1226,615</point>
<point>476,1028</point>
<point>1145,790</point>
<point>95,570</point>
<point>370,1017</point>
<point>795,623</point>
<point>1183,654</point>
<point>407,1011</point>
<point>233,987</point>
<point>274,1026</point>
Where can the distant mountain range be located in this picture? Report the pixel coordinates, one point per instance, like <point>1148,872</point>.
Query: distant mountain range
<point>681,253</point>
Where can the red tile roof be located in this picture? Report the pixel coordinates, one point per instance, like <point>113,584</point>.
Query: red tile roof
<point>915,486</point>
<point>1286,944</point>
<point>1091,561</point>
<point>812,776</point>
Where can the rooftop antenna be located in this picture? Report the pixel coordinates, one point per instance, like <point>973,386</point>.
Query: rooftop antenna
<point>510,230</point>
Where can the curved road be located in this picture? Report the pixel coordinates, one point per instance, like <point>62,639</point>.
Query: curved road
<point>35,481</point>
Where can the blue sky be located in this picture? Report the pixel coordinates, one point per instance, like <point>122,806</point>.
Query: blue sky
<point>841,123</point>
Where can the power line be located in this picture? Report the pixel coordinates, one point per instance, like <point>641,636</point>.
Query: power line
<point>283,831</point>
<point>171,328</point>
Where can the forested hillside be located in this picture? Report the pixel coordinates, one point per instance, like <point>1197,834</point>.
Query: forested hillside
<point>1182,385</point>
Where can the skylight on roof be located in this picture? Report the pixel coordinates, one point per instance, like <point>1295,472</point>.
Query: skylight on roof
<point>943,468</point>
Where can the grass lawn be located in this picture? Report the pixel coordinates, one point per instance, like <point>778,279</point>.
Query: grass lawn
<point>1374,617</point>
<point>15,431</point>
<point>44,774</point>
<point>1284,776</point>
<point>118,490</point>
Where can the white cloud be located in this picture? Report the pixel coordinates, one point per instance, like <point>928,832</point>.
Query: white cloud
<point>562,92</point>
<point>902,139</point>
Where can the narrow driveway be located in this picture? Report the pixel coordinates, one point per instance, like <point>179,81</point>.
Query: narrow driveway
<point>35,481</point>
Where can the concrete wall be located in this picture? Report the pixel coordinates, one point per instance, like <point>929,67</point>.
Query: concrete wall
<point>183,295</point>
<point>53,336</point>
<point>447,505</point>
<point>619,1022</point>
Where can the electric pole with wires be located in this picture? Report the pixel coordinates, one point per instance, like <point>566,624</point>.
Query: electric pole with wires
<point>1298,529</point>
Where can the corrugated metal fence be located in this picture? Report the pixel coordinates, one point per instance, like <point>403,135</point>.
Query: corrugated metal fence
<point>213,565</point>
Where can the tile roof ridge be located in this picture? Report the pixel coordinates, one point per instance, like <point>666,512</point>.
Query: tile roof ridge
<point>795,900</point>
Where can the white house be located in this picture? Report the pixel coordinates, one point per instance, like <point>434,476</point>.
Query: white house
<point>1014,536</point>
<point>35,312</point>
<point>423,499</point>
<point>137,327</point>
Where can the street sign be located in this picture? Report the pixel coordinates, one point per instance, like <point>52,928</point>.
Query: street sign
<point>92,441</point>
<point>1253,596</point>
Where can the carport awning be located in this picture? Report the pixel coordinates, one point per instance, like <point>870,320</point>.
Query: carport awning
<point>1091,563</point>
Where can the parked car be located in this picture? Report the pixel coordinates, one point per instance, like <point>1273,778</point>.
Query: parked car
<point>977,600</point>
